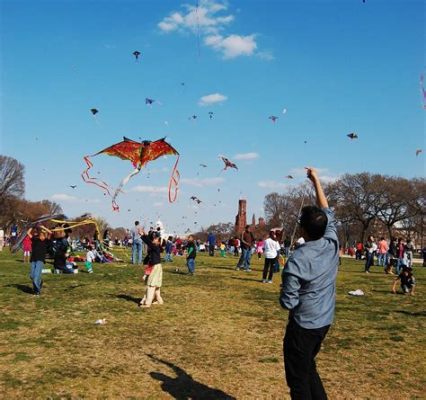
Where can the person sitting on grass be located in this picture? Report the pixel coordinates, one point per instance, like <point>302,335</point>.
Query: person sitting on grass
<point>408,282</point>
<point>39,244</point>
<point>155,278</point>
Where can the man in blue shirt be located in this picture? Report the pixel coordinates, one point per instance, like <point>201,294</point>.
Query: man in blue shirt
<point>211,239</point>
<point>309,292</point>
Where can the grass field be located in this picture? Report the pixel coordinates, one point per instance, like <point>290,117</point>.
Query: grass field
<point>218,335</point>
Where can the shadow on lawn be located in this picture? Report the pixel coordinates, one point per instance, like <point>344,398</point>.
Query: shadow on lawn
<point>411,313</point>
<point>129,298</point>
<point>246,279</point>
<point>22,288</point>
<point>183,386</point>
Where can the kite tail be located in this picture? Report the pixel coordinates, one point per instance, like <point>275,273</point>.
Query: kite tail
<point>95,181</point>
<point>126,179</point>
<point>174,183</point>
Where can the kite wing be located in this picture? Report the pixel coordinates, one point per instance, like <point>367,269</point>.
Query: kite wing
<point>153,150</point>
<point>126,150</point>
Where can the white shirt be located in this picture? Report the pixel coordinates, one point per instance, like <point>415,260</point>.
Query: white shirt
<point>271,247</point>
<point>90,256</point>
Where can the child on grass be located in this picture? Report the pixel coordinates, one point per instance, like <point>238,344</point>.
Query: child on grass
<point>222,249</point>
<point>90,258</point>
<point>39,244</point>
<point>191,254</point>
<point>155,278</point>
<point>26,247</point>
<point>408,282</point>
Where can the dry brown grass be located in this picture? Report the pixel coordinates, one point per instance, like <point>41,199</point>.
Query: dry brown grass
<point>219,334</point>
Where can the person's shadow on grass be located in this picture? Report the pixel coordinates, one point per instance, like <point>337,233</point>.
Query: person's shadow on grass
<point>22,288</point>
<point>184,387</point>
<point>129,298</point>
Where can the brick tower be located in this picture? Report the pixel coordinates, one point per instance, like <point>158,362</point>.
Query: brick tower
<point>241,218</point>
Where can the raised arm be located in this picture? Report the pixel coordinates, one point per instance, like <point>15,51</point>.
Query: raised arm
<point>313,176</point>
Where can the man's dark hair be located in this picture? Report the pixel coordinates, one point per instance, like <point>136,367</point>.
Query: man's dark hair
<point>313,221</point>
<point>136,222</point>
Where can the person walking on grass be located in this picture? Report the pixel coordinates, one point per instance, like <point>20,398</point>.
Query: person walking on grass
<point>39,244</point>
<point>191,253</point>
<point>136,233</point>
<point>247,241</point>
<point>155,278</point>
<point>309,291</point>
<point>272,248</point>
<point>370,248</point>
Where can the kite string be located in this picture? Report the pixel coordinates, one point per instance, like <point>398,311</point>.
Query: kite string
<point>174,183</point>
<point>298,216</point>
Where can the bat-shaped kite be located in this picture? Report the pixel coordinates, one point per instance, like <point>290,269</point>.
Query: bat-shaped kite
<point>73,186</point>
<point>140,154</point>
<point>418,151</point>
<point>273,118</point>
<point>352,135</point>
<point>94,111</point>
<point>228,164</point>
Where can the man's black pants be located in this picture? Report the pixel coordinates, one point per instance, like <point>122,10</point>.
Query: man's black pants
<point>300,348</point>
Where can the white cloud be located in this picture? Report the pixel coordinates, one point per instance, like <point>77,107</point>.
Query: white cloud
<point>233,45</point>
<point>202,182</point>
<point>213,98</point>
<point>63,197</point>
<point>272,185</point>
<point>149,189</point>
<point>209,20</point>
<point>202,19</point>
<point>246,156</point>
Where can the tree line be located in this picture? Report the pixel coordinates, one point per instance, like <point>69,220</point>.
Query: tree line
<point>364,203</point>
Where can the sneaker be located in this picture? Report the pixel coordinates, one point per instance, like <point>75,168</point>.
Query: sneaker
<point>269,281</point>
<point>248,270</point>
<point>237,268</point>
<point>264,280</point>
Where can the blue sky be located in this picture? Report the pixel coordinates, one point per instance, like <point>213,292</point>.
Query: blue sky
<point>325,68</point>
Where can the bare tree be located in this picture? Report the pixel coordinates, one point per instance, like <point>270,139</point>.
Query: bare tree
<point>12,182</point>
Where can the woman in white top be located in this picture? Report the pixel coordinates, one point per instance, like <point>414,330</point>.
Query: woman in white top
<point>271,249</point>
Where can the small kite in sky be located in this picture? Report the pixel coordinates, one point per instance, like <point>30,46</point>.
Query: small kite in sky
<point>211,113</point>
<point>305,141</point>
<point>149,101</point>
<point>73,186</point>
<point>203,165</point>
<point>273,118</point>
<point>140,154</point>
<point>136,54</point>
<point>193,117</point>
<point>289,177</point>
<point>352,135</point>
<point>196,199</point>
<point>94,111</point>
<point>418,151</point>
<point>228,163</point>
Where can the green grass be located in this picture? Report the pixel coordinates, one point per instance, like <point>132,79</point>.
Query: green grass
<point>219,333</point>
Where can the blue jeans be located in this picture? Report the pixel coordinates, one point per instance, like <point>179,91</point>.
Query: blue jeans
<point>244,260</point>
<point>369,260</point>
<point>137,251</point>
<point>190,263</point>
<point>383,259</point>
<point>35,275</point>
<point>399,263</point>
<point>168,257</point>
